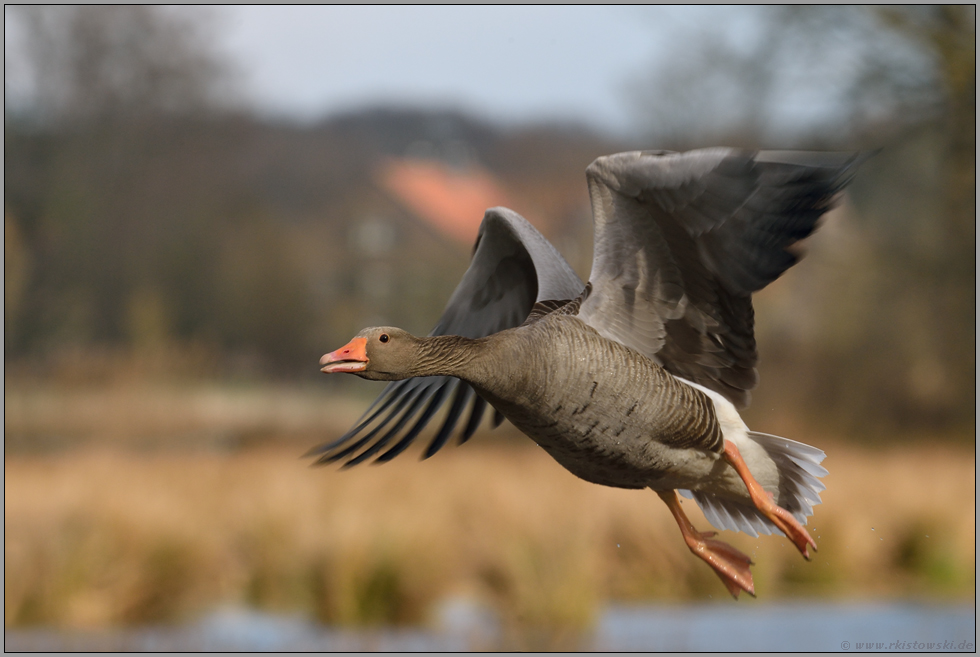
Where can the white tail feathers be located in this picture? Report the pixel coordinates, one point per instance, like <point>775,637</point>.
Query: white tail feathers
<point>799,488</point>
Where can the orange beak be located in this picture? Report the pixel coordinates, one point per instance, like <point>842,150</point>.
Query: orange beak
<point>352,357</point>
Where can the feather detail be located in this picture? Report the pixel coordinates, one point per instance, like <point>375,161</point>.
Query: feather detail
<point>799,488</point>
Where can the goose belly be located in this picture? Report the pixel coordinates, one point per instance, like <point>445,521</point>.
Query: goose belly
<point>614,417</point>
<point>613,449</point>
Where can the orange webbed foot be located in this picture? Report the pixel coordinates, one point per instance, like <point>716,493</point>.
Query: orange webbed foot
<point>791,527</point>
<point>731,566</point>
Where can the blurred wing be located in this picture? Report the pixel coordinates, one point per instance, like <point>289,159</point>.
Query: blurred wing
<point>683,239</point>
<point>513,267</point>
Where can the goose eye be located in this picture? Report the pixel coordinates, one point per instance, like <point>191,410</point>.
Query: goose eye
<point>384,337</point>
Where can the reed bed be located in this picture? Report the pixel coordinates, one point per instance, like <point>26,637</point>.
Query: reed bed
<point>101,537</point>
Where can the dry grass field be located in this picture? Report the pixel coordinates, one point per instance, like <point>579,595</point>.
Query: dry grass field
<point>128,530</point>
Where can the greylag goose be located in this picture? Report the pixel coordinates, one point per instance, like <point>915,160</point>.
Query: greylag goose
<point>633,380</point>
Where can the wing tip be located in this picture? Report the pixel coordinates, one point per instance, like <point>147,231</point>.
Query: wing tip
<point>361,442</point>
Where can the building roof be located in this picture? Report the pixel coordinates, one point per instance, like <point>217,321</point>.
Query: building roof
<point>450,200</point>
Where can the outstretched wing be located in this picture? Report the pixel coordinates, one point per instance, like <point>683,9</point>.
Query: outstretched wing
<point>683,239</point>
<point>513,267</point>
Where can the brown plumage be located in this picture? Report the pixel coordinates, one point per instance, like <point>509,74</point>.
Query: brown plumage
<point>632,380</point>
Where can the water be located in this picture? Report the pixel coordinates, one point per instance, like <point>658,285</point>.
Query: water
<point>463,626</point>
<point>787,627</point>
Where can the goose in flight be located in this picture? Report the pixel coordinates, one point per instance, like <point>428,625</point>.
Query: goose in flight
<point>633,380</point>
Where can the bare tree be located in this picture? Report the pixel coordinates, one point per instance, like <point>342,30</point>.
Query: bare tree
<point>85,63</point>
<point>792,75</point>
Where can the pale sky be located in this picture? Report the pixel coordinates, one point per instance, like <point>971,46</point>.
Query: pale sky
<point>507,64</point>
<point>504,64</point>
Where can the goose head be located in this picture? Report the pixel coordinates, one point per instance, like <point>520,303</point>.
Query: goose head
<point>380,353</point>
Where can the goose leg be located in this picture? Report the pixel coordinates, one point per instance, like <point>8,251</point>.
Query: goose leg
<point>728,563</point>
<point>762,499</point>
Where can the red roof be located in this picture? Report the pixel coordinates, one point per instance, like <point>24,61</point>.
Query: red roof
<point>452,201</point>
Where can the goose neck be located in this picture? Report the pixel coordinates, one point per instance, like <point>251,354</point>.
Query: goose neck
<point>448,355</point>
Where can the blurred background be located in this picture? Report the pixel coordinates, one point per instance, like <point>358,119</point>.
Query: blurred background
<point>199,202</point>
